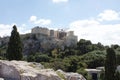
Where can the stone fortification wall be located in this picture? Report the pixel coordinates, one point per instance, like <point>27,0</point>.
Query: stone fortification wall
<point>41,30</point>
<point>52,33</point>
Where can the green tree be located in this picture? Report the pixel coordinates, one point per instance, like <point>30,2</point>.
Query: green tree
<point>84,46</point>
<point>14,50</point>
<point>94,59</point>
<point>54,53</point>
<point>30,58</point>
<point>42,58</point>
<point>110,64</point>
<point>102,75</point>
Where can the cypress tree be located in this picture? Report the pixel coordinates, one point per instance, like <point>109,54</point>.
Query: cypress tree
<point>110,64</point>
<point>14,50</point>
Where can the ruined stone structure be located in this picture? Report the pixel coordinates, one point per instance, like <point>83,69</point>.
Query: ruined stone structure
<point>67,37</point>
<point>41,30</point>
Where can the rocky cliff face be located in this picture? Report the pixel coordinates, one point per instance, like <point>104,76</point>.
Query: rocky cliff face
<point>21,70</point>
<point>37,43</point>
<point>40,43</point>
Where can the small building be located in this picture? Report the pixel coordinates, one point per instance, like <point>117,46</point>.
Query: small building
<point>95,73</point>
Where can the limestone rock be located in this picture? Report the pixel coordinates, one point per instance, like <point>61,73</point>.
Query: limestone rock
<point>21,70</point>
<point>1,79</point>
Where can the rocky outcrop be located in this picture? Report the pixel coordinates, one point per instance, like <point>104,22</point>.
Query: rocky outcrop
<point>21,70</point>
<point>39,43</point>
<point>1,79</point>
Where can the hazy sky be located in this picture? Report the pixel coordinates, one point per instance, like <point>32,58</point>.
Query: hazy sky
<point>95,20</point>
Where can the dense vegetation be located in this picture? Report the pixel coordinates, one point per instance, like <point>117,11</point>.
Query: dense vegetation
<point>70,59</point>
<point>75,59</point>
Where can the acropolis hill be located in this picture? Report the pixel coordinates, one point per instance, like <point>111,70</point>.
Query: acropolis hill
<point>43,39</point>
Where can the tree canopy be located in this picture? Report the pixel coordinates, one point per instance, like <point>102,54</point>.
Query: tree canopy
<point>110,64</point>
<point>14,50</point>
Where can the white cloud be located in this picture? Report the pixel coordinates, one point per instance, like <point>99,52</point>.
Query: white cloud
<point>84,23</point>
<point>43,21</point>
<point>23,29</point>
<point>59,1</point>
<point>91,29</point>
<point>40,21</point>
<point>5,29</point>
<point>33,18</point>
<point>109,15</point>
<point>96,32</point>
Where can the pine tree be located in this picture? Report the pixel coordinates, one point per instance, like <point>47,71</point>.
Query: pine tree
<point>110,64</point>
<point>14,50</point>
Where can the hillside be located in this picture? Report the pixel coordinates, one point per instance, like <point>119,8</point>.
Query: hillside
<point>37,43</point>
<point>53,53</point>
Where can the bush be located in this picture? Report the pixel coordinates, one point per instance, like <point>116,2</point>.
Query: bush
<point>30,58</point>
<point>94,59</point>
<point>42,58</point>
<point>2,58</point>
<point>84,73</point>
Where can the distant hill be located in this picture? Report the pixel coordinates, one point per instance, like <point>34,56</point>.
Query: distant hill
<point>37,43</point>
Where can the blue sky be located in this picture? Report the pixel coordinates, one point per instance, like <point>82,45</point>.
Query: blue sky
<point>96,20</point>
